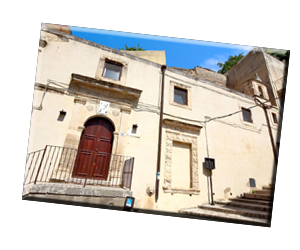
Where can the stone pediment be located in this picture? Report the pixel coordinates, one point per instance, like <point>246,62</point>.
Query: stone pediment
<point>183,126</point>
<point>105,87</point>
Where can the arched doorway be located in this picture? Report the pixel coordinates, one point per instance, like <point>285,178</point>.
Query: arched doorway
<point>94,151</point>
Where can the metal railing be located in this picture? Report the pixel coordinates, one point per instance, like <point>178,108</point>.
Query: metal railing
<point>56,164</point>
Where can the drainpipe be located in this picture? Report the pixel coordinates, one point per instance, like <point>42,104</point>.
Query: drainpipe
<point>163,69</point>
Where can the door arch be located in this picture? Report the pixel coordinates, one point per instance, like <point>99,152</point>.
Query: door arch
<point>94,151</point>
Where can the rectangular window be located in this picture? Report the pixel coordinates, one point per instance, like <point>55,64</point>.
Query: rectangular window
<point>112,70</point>
<point>134,129</point>
<point>247,116</point>
<point>180,95</point>
<point>274,116</point>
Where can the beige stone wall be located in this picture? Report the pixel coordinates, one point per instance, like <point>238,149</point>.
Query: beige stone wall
<point>277,71</point>
<point>246,68</point>
<point>269,69</point>
<point>153,56</point>
<point>56,63</point>
<point>242,150</point>
<point>211,76</point>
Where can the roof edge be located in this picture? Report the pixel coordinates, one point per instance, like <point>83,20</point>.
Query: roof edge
<point>45,28</point>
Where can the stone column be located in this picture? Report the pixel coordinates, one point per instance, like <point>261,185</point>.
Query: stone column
<point>76,124</point>
<point>118,159</point>
<point>69,152</point>
<point>122,133</point>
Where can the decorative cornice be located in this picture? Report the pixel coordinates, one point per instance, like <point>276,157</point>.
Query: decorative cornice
<point>112,59</point>
<point>36,41</point>
<point>181,125</point>
<point>80,100</point>
<point>172,190</point>
<point>126,109</point>
<point>106,87</point>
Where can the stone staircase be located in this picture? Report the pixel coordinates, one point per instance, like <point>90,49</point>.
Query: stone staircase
<point>250,208</point>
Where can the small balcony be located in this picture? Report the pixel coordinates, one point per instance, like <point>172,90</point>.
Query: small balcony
<point>51,170</point>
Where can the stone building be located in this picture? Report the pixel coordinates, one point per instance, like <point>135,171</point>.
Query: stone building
<point>107,124</point>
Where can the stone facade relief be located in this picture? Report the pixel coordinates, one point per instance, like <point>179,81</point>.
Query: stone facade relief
<point>180,137</point>
<point>84,110</point>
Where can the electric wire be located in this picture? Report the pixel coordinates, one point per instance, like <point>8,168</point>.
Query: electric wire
<point>236,112</point>
<point>145,107</point>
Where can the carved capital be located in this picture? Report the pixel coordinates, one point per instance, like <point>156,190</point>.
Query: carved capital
<point>80,128</point>
<point>80,100</point>
<point>125,109</point>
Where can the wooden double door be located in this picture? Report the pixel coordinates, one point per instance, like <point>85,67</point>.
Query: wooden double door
<point>94,151</point>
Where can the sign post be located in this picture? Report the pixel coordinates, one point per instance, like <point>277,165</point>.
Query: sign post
<point>210,164</point>
<point>129,202</point>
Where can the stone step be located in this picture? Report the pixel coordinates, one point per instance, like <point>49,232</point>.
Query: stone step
<point>252,201</point>
<point>246,205</point>
<point>279,188</point>
<point>268,197</point>
<point>264,191</point>
<point>220,216</point>
<point>236,210</point>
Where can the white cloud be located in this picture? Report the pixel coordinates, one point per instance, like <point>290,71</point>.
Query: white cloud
<point>212,62</point>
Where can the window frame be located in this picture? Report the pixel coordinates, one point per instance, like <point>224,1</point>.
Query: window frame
<point>274,121</point>
<point>185,102</point>
<point>184,87</point>
<point>112,63</point>
<point>250,114</point>
<point>101,65</point>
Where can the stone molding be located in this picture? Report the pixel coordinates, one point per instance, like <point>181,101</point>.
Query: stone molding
<point>125,109</point>
<point>80,100</point>
<point>106,87</point>
<point>189,95</point>
<point>114,60</point>
<point>76,190</point>
<point>167,187</point>
<point>80,128</point>
<point>173,124</point>
<point>181,190</point>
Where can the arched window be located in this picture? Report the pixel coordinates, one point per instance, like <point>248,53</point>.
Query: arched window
<point>261,94</point>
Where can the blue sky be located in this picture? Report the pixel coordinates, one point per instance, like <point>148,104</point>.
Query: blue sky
<point>182,53</point>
